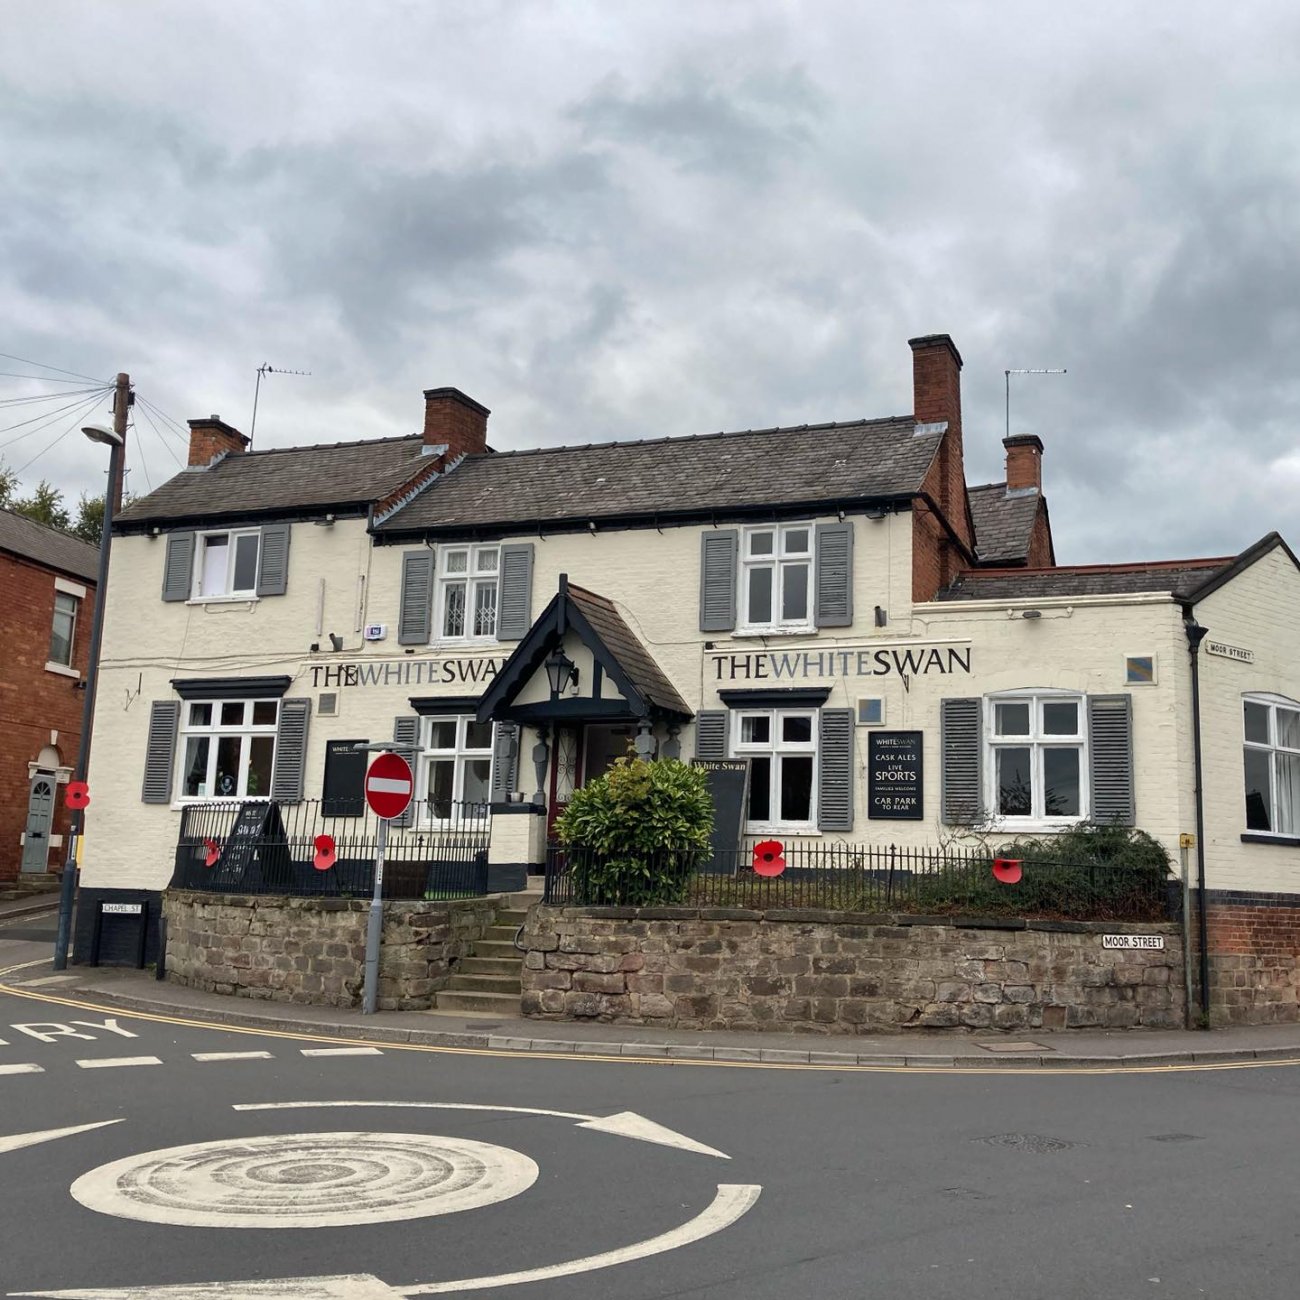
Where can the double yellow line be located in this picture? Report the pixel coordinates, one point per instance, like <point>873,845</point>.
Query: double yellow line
<point>34,995</point>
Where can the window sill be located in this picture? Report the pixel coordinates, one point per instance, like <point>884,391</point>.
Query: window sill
<point>465,643</point>
<point>754,830</point>
<point>1267,837</point>
<point>223,600</point>
<point>1015,825</point>
<point>752,632</point>
<point>62,669</point>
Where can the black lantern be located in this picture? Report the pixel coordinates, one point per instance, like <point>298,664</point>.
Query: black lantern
<point>560,671</point>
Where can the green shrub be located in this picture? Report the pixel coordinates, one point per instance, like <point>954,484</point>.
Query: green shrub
<point>636,834</point>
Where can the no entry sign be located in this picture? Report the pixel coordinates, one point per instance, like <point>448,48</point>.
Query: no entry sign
<point>389,785</point>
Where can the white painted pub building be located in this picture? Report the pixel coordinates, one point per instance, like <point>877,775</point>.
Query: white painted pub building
<point>819,599</point>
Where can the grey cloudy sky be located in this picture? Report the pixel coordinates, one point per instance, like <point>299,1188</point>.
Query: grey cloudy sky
<point>617,220</point>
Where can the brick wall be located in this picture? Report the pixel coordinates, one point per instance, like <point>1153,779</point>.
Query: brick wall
<point>456,421</point>
<point>1254,958</point>
<point>935,559</point>
<point>836,973</point>
<point>312,950</point>
<point>1041,555</point>
<point>34,701</point>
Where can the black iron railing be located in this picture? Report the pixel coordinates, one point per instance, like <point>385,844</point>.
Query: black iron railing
<point>259,846</point>
<point>853,878</point>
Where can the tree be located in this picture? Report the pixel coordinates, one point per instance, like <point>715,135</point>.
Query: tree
<point>45,505</point>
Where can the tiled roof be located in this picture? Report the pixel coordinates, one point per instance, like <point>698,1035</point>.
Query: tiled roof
<point>48,546</point>
<point>1003,524</point>
<point>627,648</point>
<point>712,472</point>
<point>1176,577</point>
<point>283,480</point>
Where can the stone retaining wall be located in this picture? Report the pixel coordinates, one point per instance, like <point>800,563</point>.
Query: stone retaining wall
<point>312,950</point>
<point>840,973</point>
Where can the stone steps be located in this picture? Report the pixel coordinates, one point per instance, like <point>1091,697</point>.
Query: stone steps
<point>500,1004</point>
<point>488,981</point>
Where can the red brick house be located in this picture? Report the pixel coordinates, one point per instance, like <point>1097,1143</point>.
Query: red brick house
<point>47,592</point>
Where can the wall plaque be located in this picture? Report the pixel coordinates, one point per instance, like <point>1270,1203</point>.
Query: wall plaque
<point>895,789</point>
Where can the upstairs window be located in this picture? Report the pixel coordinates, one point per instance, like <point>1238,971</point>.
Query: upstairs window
<point>226,564</point>
<point>1272,765</point>
<point>228,748</point>
<point>776,578</point>
<point>1037,751</point>
<point>467,592</point>
<point>781,745</point>
<point>63,632</point>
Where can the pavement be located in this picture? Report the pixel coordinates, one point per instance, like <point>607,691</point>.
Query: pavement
<point>139,991</point>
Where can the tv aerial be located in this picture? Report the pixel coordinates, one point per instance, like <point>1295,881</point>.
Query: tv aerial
<point>267,369</point>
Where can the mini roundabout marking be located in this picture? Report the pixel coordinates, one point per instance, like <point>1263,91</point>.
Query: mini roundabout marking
<point>350,1178</point>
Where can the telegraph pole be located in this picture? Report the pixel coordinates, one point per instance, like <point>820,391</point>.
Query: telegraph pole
<point>122,398</point>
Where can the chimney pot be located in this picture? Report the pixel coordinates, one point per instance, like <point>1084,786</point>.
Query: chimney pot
<point>212,436</point>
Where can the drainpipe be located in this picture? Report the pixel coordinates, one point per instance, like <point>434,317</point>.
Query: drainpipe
<point>1195,635</point>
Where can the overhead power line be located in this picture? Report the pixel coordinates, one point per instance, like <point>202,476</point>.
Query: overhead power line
<point>40,365</point>
<point>48,417</point>
<point>85,409</point>
<point>143,408</point>
<point>31,398</point>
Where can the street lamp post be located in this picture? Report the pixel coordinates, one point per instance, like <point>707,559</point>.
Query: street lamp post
<point>116,441</point>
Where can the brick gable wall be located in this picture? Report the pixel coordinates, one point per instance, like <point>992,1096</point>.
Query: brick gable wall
<point>33,701</point>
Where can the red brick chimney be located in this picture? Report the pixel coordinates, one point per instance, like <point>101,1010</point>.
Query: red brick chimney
<point>1024,461</point>
<point>936,387</point>
<point>455,421</point>
<point>210,437</point>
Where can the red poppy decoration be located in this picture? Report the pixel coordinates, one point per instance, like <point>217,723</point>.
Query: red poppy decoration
<point>77,795</point>
<point>1007,870</point>
<point>213,853</point>
<point>326,855</point>
<point>769,858</point>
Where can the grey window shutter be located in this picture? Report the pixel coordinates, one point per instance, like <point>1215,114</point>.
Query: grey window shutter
<point>833,601</point>
<point>178,567</point>
<point>719,548</point>
<point>406,733</point>
<point>1110,756</point>
<point>711,733</point>
<point>160,752</point>
<point>960,740</point>
<point>414,619</point>
<point>835,771</point>
<point>289,773</point>
<point>515,593</point>
<point>505,760</point>
<point>273,564</point>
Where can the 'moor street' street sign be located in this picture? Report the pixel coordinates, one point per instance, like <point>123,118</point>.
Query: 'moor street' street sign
<point>389,786</point>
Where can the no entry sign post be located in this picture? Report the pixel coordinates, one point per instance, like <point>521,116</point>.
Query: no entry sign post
<point>389,787</point>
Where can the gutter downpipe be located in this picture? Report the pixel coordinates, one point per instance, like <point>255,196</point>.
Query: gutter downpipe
<point>1195,635</point>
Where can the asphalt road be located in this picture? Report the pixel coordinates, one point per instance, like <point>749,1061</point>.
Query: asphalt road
<point>873,1183</point>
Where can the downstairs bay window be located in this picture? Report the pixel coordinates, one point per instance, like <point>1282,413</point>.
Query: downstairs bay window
<point>456,767</point>
<point>1037,752</point>
<point>228,748</point>
<point>781,745</point>
<point>1271,728</point>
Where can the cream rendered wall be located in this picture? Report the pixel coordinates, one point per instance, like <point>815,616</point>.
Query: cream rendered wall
<point>1259,611</point>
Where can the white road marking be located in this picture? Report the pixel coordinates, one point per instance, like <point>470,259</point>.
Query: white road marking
<point>24,1068</point>
<point>409,1105</point>
<point>625,1124</point>
<point>50,1031</point>
<point>630,1124</point>
<point>732,1202</point>
<point>109,1026</point>
<point>17,1140</point>
<point>112,1062</point>
<point>232,1056</point>
<point>350,1286</point>
<point>49,979</point>
<point>341,1051</point>
<point>306,1180</point>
